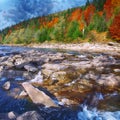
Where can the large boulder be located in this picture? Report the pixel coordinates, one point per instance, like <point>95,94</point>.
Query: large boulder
<point>38,96</point>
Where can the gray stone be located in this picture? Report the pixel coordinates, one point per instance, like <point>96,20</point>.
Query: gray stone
<point>58,75</point>
<point>31,115</point>
<point>30,68</point>
<point>117,70</point>
<point>47,73</point>
<point>111,44</point>
<point>55,67</point>
<point>8,116</point>
<point>37,96</point>
<point>22,94</point>
<point>6,86</point>
<point>38,78</point>
<point>19,61</point>
<point>12,116</point>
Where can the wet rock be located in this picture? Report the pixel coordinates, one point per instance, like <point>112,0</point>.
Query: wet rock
<point>108,80</point>
<point>12,115</point>
<point>16,75</point>
<point>111,44</point>
<point>20,62</point>
<point>66,101</point>
<point>8,64</point>
<point>20,66</point>
<point>117,70</point>
<point>55,67</point>
<point>3,59</point>
<point>14,92</point>
<point>8,116</point>
<point>61,75</point>
<point>1,68</point>
<point>31,115</point>
<point>81,65</point>
<point>38,78</point>
<point>91,76</point>
<point>30,68</point>
<point>37,96</point>
<point>47,73</point>
<point>6,86</point>
<point>17,57</point>
<point>111,102</point>
<point>22,94</point>
<point>57,58</point>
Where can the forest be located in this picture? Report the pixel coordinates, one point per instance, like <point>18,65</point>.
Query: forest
<point>97,21</point>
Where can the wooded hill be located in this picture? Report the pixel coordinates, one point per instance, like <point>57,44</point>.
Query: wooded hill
<point>97,21</point>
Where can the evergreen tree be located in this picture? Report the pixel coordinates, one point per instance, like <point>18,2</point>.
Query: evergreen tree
<point>87,3</point>
<point>99,4</point>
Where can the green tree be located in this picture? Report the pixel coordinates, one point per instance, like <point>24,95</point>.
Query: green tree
<point>99,4</point>
<point>43,35</point>
<point>98,23</point>
<point>87,3</point>
<point>73,31</point>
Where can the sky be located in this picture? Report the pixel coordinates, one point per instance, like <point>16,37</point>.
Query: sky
<point>6,4</point>
<point>15,11</point>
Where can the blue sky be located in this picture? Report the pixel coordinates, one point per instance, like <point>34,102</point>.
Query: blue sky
<point>15,11</point>
<point>6,4</point>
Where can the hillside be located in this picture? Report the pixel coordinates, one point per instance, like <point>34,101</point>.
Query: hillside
<point>98,21</point>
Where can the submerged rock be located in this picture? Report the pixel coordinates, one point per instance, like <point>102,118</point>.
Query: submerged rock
<point>12,115</point>
<point>8,116</point>
<point>31,115</point>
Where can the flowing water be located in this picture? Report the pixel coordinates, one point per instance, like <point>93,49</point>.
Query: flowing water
<point>84,111</point>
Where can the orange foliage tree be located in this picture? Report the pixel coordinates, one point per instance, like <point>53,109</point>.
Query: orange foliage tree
<point>100,13</point>
<point>114,29</point>
<point>115,3</point>
<point>88,13</point>
<point>76,15</point>
<point>109,7</point>
<point>81,26</point>
<point>52,22</point>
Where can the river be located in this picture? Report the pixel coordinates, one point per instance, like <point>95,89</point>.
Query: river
<point>85,85</point>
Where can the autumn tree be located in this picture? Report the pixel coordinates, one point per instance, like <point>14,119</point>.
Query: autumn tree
<point>88,13</point>
<point>108,9</point>
<point>114,29</point>
<point>76,15</point>
<point>115,3</point>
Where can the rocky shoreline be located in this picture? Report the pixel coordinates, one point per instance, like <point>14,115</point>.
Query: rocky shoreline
<point>88,74</point>
<point>110,47</point>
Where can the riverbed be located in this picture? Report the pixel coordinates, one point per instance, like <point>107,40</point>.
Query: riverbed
<point>82,80</point>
